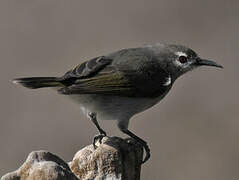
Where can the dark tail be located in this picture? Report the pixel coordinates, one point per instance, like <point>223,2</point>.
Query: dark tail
<point>38,82</point>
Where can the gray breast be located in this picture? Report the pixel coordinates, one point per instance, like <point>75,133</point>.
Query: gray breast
<point>113,107</point>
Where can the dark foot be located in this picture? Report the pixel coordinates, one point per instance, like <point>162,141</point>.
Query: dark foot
<point>147,151</point>
<point>99,138</point>
<point>92,116</point>
<point>145,146</point>
<point>140,141</point>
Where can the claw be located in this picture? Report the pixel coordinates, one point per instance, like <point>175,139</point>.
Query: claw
<point>139,140</point>
<point>145,146</point>
<point>147,151</point>
<point>99,138</point>
<point>92,116</point>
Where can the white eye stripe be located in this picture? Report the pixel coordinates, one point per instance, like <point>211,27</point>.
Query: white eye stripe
<point>177,63</point>
<point>179,53</point>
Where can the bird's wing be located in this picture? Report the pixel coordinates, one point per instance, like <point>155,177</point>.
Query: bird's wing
<point>87,68</point>
<point>107,84</point>
<point>99,76</point>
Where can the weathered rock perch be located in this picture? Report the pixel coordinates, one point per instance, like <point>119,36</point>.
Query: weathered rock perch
<point>114,159</point>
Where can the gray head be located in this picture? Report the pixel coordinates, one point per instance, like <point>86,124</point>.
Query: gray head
<point>178,59</point>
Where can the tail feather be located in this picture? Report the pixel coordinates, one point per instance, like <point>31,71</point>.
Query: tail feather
<point>38,82</point>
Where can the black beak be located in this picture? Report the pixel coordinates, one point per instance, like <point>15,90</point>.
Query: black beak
<point>205,62</point>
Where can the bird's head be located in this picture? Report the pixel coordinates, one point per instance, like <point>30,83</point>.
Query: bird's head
<point>178,59</point>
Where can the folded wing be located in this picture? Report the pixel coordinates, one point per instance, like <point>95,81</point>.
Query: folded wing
<point>98,76</point>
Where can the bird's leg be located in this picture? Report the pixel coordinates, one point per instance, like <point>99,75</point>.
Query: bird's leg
<point>138,139</point>
<point>92,116</point>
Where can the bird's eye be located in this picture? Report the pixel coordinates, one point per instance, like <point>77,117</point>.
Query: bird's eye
<point>183,59</point>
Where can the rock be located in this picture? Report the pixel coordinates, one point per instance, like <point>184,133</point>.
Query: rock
<point>42,165</point>
<point>113,159</point>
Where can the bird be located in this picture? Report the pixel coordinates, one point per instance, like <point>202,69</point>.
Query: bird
<point>121,84</point>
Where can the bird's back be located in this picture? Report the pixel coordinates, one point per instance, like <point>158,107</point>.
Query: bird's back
<point>134,72</point>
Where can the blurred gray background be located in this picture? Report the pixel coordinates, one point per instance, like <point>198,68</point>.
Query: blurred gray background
<point>193,133</point>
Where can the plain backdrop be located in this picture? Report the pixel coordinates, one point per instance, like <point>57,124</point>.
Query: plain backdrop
<point>193,133</point>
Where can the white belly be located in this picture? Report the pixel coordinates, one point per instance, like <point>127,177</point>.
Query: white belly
<point>113,107</point>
